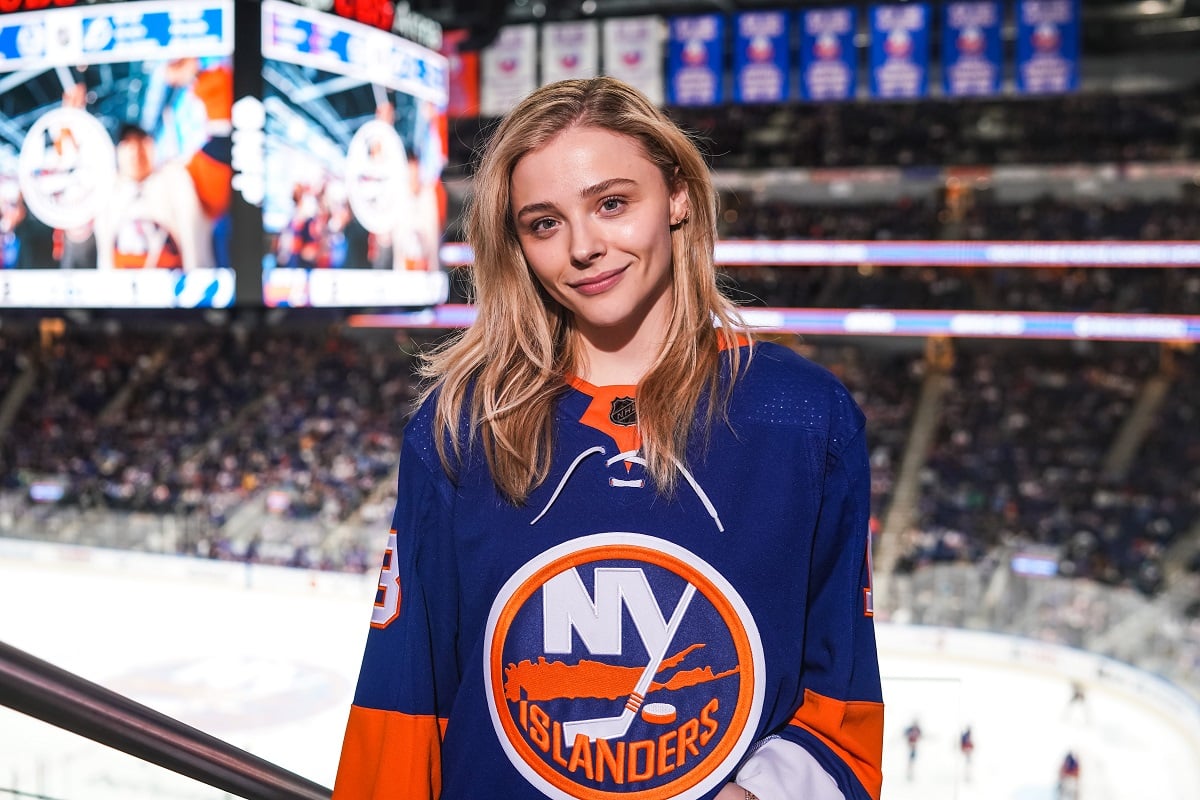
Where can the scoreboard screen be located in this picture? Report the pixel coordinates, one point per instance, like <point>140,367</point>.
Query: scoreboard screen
<point>355,140</point>
<point>115,175</point>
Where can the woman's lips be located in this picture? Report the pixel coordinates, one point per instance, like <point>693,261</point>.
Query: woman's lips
<point>599,283</point>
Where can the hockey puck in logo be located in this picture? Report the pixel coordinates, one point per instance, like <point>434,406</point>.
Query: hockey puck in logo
<point>658,713</point>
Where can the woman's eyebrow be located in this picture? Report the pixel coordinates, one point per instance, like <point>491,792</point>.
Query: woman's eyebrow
<point>537,208</point>
<point>603,187</point>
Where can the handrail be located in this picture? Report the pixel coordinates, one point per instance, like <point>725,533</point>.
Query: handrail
<point>61,698</point>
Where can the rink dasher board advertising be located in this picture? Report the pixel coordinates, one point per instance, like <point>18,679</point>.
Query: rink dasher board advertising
<point>78,83</point>
<point>353,153</point>
<point>888,322</point>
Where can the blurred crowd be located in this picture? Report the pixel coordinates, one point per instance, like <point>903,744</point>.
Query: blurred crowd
<point>1044,218</point>
<point>1028,453</point>
<point>254,435</point>
<point>1049,130</point>
<point>1037,130</point>
<point>201,423</point>
<point>1079,289</point>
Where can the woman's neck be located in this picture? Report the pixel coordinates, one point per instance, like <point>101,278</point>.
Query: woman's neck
<point>604,370</point>
<point>603,363</point>
<point>621,355</point>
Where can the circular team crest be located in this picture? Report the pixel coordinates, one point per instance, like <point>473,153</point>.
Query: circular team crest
<point>377,181</point>
<point>621,665</point>
<point>66,168</point>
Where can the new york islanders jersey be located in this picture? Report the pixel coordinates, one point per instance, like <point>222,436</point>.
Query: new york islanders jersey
<point>605,640</point>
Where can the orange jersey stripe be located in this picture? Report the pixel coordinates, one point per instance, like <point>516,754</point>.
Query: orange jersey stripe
<point>387,754</point>
<point>727,342</point>
<point>598,414</point>
<point>852,730</point>
<point>213,181</point>
<point>166,260</point>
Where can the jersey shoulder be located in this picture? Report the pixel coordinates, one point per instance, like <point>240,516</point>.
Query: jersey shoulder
<point>421,434</point>
<point>779,387</point>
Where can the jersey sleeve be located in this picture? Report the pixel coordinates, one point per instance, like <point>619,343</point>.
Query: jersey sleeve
<point>211,166</point>
<point>780,769</point>
<point>409,674</point>
<point>839,724</point>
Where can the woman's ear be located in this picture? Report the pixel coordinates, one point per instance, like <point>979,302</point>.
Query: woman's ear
<point>681,207</point>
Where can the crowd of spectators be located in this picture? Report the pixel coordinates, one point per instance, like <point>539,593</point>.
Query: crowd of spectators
<point>211,424</point>
<point>1043,219</point>
<point>203,422</point>
<point>1041,289</point>
<point>260,434</point>
<point>1107,127</point>
<point>1020,459</point>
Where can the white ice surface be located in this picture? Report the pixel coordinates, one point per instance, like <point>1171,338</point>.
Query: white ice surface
<point>270,667</point>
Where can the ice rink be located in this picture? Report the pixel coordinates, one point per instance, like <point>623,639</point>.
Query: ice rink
<point>266,660</point>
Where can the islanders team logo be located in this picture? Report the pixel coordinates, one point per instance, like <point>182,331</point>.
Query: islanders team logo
<point>66,168</point>
<point>622,665</point>
<point>377,181</point>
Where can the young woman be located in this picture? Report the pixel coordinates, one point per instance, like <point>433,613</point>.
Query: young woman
<point>629,555</point>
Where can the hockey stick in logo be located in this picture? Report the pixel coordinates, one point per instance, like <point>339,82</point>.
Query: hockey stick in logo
<point>613,727</point>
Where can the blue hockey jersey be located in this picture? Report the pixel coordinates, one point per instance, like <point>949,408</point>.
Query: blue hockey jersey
<point>605,640</point>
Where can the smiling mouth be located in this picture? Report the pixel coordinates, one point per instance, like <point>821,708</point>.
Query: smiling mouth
<point>598,283</point>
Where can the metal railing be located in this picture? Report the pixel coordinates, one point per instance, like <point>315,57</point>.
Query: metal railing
<point>41,690</point>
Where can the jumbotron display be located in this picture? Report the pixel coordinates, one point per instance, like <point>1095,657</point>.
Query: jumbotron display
<point>355,141</point>
<point>119,139</point>
<point>115,155</point>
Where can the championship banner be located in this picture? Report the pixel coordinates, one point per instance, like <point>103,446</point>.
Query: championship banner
<point>633,53</point>
<point>1047,46</point>
<point>463,75</point>
<point>899,51</point>
<point>972,63</point>
<point>509,70</point>
<point>828,57</point>
<point>694,62</point>
<point>761,57</point>
<point>570,50</point>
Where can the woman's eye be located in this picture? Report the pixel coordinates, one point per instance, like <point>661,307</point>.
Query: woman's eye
<point>542,225</point>
<point>611,203</point>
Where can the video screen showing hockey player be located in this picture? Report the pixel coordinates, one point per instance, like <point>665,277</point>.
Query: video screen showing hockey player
<point>115,149</point>
<point>355,142</point>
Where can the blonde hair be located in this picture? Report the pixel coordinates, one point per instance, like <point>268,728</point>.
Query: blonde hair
<point>511,365</point>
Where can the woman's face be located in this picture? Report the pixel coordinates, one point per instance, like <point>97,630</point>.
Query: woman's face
<point>593,216</point>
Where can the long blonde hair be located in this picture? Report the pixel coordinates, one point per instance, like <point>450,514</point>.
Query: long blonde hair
<point>511,365</point>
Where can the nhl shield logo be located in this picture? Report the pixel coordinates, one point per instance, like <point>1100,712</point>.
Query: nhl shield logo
<point>622,665</point>
<point>623,412</point>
